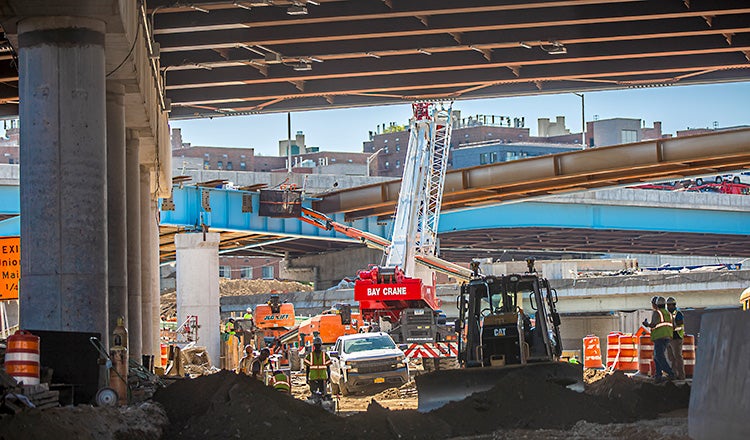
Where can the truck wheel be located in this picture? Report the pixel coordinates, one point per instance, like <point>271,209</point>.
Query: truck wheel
<point>344,390</point>
<point>294,360</point>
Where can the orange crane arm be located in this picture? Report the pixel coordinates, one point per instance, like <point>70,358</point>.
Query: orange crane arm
<point>322,221</point>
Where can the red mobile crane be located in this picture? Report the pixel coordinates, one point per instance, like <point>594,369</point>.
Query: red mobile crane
<point>400,295</point>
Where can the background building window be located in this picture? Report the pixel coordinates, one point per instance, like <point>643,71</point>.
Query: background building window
<point>206,165</point>
<point>246,273</point>
<point>398,164</point>
<point>220,165</point>
<point>628,136</point>
<point>225,272</point>
<point>267,272</point>
<point>229,165</point>
<point>243,166</point>
<point>484,158</point>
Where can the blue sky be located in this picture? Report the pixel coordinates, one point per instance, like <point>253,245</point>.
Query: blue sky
<point>677,107</point>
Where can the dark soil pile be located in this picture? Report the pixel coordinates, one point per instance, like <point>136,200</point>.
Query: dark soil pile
<point>639,397</point>
<point>226,405</point>
<point>523,401</point>
<point>85,422</point>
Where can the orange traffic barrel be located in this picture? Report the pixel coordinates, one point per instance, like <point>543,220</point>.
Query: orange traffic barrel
<point>22,357</point>
<point>164,355</point>
<point>688,354</point>
<point>592,354</point>
<point>628,356</point>
<point>613,347</point>
<point>645,354</point>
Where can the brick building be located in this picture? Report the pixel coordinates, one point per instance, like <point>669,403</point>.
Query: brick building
<point>248,267</point>
<point>9,151</point>
<point>388,149</point>
<point>311,161</point>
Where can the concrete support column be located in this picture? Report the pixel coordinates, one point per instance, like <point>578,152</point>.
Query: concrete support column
<point>146,284</point>
<point>133,190</point>
<point>117,254</point>
<point>155,279</point>
<point>198,287</point>
<point>63,174</point>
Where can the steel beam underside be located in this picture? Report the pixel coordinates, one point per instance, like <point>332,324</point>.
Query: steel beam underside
<point>661,159</point>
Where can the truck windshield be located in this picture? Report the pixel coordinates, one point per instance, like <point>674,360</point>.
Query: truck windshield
<point>368,343</point>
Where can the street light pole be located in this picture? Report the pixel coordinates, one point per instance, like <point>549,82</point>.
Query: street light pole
<point>583,119</point>
<point>369,160</point>
<point>289,140</point>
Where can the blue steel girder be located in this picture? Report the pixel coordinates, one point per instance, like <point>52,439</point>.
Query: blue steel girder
<point>10,200</point>
<point>600,217</point>
<point>226,215</point>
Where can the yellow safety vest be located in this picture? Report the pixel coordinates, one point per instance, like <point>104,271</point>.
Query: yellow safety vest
<point>280,382</point>
<point>663,328</point>
<point>318,364</point>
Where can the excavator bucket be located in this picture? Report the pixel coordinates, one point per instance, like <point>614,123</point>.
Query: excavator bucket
<point>440,387</point>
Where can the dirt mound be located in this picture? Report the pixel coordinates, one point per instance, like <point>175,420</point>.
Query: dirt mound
<point>237,288</point>
<point>591,375</point>
<point>523,401</point>
<point>84,422</point>
<point>640,397</point>
<point>255,287</point>
<point>228,405</point>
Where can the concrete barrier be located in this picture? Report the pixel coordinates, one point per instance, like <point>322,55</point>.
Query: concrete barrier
<point>720,397</point>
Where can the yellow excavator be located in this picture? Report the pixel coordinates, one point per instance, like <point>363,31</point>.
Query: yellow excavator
<point>497,336</point>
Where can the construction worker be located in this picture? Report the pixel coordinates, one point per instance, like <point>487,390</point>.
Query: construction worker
<point>674,350</point>
<point>280,382</point>
<point>244,365</point>
<point>259,364</point>
<point>317,367</point>
<point>248,313</point>
<point>661,334</point>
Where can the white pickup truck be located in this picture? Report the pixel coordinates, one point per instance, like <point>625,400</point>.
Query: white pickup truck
<point>367,361</point>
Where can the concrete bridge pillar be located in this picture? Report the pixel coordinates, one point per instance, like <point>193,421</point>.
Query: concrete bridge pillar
<point>147,334</point>
<point>63,174</point>
<point>133,194</point>
<point>117,254</point>
<point>198,287</point>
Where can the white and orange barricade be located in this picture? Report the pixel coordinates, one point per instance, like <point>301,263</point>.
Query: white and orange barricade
<point>688,354</point>
<point>613,348</point>
<point>592,354</point>
<point>628,355</point>
<point>645,354</point>
<point>22,357</point>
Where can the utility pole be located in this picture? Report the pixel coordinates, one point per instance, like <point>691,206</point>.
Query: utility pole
<point>289,142</point>
<point>583,119</point>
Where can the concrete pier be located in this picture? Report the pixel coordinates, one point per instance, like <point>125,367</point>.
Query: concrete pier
<point>63,174</point>
<point>198,287</point>
<point>146,284</point>
<point>117,254</point>
<point>133,190</point>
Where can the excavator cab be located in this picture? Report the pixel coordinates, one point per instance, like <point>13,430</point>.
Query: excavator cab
<point>498,330</point>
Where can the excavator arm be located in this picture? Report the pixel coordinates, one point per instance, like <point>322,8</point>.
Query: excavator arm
<point>322,221</point>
